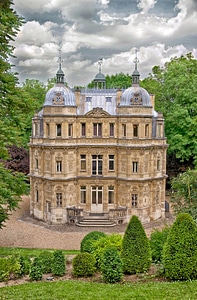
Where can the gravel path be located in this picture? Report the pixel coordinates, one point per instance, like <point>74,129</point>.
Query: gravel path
<point>23,231</point>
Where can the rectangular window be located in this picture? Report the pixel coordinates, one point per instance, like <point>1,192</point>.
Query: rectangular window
<point>159,130</point>
<point>36,164</point>
<point>97,164</point>
<point>37,196</point>
<point>110,194</point>
<point>124,130</point>
<point>83,194</point>
<point>134,200</point>
<point>59,166</point>
<point>83,162</point>
<point>135,166</point>
<point>47,130</point>
<point>135,130</point>
<point>111,129</point>
<point>158,165</point>
<point>97,195</point>
<point>59,199</point>
<point>37,128</point>
<point>83,129</point>
<point>111,162</point>
<point>70,130</point>
<point>97,129</point>
<point>147,130</point>
<point>58,129</point>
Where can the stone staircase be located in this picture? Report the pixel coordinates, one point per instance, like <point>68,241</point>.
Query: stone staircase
<point>96,220</point>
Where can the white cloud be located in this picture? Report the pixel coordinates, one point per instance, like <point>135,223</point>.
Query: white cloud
<point>90,29</point>
<point>146,5</point>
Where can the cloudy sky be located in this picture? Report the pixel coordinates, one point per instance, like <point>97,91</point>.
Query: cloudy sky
<point>88,30</point>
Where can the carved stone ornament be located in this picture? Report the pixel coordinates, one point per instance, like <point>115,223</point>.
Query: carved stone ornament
<point>97,112</point>
<point>58,99</point>
<point>136,100</point>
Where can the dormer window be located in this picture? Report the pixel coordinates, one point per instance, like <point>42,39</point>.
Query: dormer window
<point>88,99</point>
<point>108,99</point>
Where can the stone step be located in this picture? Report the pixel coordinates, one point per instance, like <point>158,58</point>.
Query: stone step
<point>90,222</point>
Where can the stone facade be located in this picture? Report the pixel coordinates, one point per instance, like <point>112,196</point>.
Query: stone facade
<point>97,152</point>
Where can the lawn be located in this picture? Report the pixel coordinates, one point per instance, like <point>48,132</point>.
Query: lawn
<point>83,290</point>
<point>29,252</point>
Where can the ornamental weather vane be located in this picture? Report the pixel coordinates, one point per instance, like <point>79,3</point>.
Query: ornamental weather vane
<point>100,63</point>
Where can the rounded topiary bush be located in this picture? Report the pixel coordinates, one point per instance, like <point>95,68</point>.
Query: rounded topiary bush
<point>99,246</point>
<point>84,265</point>
<point>179,255</point>
<point>136,252</point>
<point>46,258</point>
<point>59,263</point>
<point>86,243</point>
<point>111,265</point>
<point>36,270</point>
<point>157,241</point>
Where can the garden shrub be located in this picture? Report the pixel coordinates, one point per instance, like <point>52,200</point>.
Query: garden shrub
<point>111,265</point>
<point>59,263</point>
<point>136,252</point>
<point>86,243</point>
<point>25,264</point>
<point>179,255</point>
<point>157,241</point>
<point>10,268</point>
<point>36,269</point>
<point>84,265</point>
<point>99,246</point>
<point>46,258</point>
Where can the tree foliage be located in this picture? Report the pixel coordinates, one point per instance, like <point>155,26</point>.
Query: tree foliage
<point>12,185</point>
<point>184,193</point>
<point>136,253</point>
<point>180,251</point>
<point>175,88</point>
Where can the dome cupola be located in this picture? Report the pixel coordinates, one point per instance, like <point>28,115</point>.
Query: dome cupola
<point>135,95</point>
<point>60,94</point>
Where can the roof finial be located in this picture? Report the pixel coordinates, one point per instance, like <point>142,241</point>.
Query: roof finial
<point>100,63</point>
<point>136,74</point>
<point>60,60</point>
<point>136,60</point>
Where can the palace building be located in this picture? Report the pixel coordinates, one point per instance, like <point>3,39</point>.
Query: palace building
<point>97,153</point>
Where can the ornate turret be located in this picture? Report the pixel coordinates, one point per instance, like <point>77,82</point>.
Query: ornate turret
<point>99,80</point>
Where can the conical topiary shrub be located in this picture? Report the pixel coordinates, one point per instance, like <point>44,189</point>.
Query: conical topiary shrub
<point>179,255</point>
<point>136,252</point>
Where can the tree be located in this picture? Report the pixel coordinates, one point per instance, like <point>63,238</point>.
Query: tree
<point>136,252</point>
<point>176,97</point>
<point>12,185</point>
<point>180,251</point>
<point>184,193</point>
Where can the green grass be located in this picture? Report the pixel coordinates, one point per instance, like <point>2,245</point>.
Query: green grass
<point>5,251</point>
<point>77,290</point>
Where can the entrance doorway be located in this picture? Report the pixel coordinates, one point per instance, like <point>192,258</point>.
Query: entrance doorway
<point>97,199</point>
